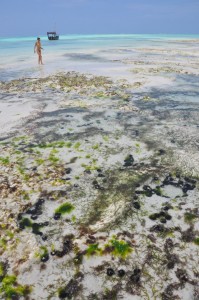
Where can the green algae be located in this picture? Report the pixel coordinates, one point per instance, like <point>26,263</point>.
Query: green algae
<point>9,234</point>
<point>96,147</point>
<point>73,219</point>
<point>93,249</point>
<point>100,95</point>
<point>57,144</point>
<point>77,145</point>
<point>40,161</point>
<point>120,248</point>
<point>3,243</point>
<point>189,217</point>
<point>91,167</point>
<point>44,251</point>
<point>196,241</point>
<point>1,270</point>
<point>52,158</point>
<point>4,160</point>
<point>106,138</point>
<point>138,148</point>
<point>25,195</point>
<point>64,208</point>
<point>10,289</point>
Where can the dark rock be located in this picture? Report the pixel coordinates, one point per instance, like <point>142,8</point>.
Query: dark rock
<point>67,246</point>
<point>136,205</point>
<point>36,229</point>
<point>167,207</point>
<point>45,258</point>
<point>152,238</point>
<point>168,217</point>
<point>163,220</point>
<point>32,211</point>
<point>180,182</point>
<point>78,258</point>
<point>59,253</point>
<point>158,228</point>
<point>66,178</point>
<point>162,213</point>
<point>182,275</point>
<point>170,265</point>
<point>168,245</point>
<point>57,216</point>
<point>70,290</point>
<point>101,175</point>
<point>154,216</point>
<point>34,217</point>
<point>110,272</point>
<point>161,152</point>
<point>192,181</point>
<point>137,132</point>
<point>20,216</point>
<point>44,237</point>
<point>21,226</point>
<point>121,273</point>
<point>129,160</point>
<point>148,193</point>
<point>147,188</point>
<point>63,294</point>
<point>135,277</point>
<point>87,172</point>
<point>96,185</point>
<point>139,192</point>
<point>40,202</point>
<point>188,187</point>
<point>68,170</point>
<point>188,235</point>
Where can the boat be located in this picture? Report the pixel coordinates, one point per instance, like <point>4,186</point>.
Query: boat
<point>52,35</point>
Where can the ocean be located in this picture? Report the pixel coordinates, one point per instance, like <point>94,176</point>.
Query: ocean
<point>99,54</point>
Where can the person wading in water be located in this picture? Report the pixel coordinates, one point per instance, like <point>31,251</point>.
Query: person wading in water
<point>38,49</point>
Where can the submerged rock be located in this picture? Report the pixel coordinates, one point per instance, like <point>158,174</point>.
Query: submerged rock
<point>135,277</point>
<point>110,272</point>
<point>136,205</point>
<point>158,228</point>
<point>45,258</point>
<point>57,216</point>
<point>182,275</point>
<point>121,273</point>
<point>129,160</point>
<point>70,291</point>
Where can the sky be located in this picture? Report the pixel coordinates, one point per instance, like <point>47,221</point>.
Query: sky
<point>36,17</point>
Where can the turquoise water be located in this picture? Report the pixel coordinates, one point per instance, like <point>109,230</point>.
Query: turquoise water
<point>80,52</point>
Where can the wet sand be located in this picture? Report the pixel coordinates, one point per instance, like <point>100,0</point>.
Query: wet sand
<point>99,175</point>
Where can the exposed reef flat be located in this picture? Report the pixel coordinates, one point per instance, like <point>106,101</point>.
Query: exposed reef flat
<point>99,190</point>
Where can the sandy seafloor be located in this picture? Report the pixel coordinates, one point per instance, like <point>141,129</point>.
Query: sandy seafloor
<point>99,168</point>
